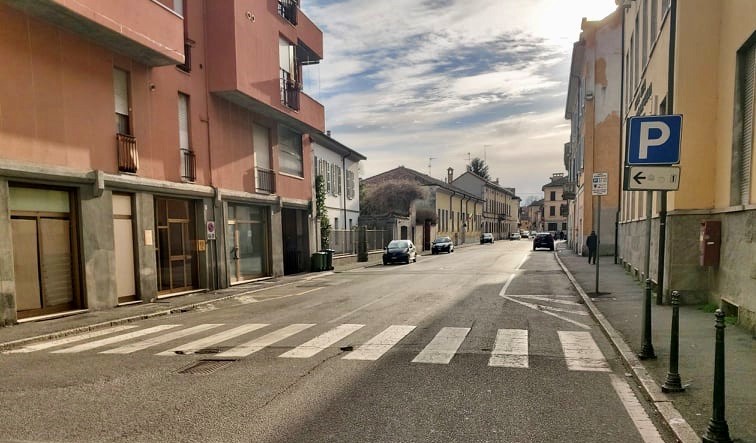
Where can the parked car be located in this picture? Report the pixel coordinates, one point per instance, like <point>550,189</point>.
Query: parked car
<point>543,240</point>
<point>514,236</point>
<point>442,244</point>
<point>402,251</point>
<point>525,234</point>
<point>486,237</point>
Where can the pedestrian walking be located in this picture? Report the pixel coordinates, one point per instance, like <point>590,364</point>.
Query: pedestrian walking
<point>592,244</point>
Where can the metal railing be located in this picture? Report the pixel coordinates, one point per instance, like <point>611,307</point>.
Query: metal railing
<point>345,241</point>
<point>187,65</point>
<point>128,157</point>
<point>265,180</point>
<point>289,91</point>
<point>288,10</point>
<point>188,165</point>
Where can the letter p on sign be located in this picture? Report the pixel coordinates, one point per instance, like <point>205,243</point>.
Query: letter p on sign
<point>654,140</point>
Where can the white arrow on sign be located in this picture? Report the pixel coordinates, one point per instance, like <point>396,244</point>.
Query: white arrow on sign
<point>653,178</point>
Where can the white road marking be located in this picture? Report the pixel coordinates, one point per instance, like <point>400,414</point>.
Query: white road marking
<point>111,340</point>
<point>535,307</point>
<point>443,346</point>
<point>266,340</point>
<point>510,349</point>
<point>160,339</point>
<point>549,299</point>
<point>522,262</point>
<point>192,347</point>
<point>309,290</point>
<point>581,352</point>
<point>321,342</point>
<point>503,291</point>
<point>341,317</point>
<point>635,410</point>
<point>380,344</point>
<point>68,340</point>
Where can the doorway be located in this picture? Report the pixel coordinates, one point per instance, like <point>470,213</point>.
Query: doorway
<point>294,234</point>
<point>247,242</point>
<point>176,252</point>
<point>44,253</point>
<point>123,236</point>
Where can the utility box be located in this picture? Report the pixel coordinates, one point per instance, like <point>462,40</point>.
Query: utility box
<point>710,241</point>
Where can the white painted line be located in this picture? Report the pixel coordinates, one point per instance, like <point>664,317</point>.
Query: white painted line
<point>510,349</point>
<point>111,340</point>
<point>266,340</point>
<point>309,290</point>
<point>443,346</point>
<point>535,307</point>
<point>160,339</point>
<point>68,340</point>
<point>341,317</point>
<point>192,347</point>
<point>581,352</point>
<point>380,344</point>
<point>522,262</point>
<point>322,341</point>
<point>645,426</point>
<point>503,291</point>
<point>549,299</point>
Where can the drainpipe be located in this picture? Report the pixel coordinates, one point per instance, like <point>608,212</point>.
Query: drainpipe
<point>214,253</point>
<point>622,128</point>
<point>343,195</point>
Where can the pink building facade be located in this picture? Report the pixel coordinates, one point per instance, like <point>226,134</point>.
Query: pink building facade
<point>151,148</point>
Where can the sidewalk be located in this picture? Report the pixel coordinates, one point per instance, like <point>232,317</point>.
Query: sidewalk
<point>620,314</point>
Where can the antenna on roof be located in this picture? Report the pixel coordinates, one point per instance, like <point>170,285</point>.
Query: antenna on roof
<point>430,159</point>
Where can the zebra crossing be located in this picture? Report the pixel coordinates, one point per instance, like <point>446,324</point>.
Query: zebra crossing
<point>510,350</point>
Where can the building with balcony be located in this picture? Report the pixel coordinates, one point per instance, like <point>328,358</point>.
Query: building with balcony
<point>554,216</point>
<point>534,214</point>
<point>501,207</point>
<point>593,110</point>
<point>153,149</point>
<point>695,58</point>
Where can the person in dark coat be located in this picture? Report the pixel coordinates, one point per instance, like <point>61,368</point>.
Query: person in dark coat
<point>592,244</point>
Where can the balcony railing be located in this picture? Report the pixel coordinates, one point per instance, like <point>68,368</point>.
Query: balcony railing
<point>288,10</point>
<point>188,165</point>
<point>187,66</point>
<point>265,180</point>
<point>289,91</point>
<point>128,157</point>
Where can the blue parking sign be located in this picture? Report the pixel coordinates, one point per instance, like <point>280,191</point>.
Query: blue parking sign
<point>654,140</point>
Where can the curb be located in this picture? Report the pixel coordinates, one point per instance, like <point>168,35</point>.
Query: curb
<point>120,321</point>
<point>662,403</point>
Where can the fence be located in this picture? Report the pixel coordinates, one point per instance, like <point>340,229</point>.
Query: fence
<point>344,241</point>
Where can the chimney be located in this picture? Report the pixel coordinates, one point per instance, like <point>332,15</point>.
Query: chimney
<point>449,175</point>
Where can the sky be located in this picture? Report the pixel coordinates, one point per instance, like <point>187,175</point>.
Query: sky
<point>430,84</point>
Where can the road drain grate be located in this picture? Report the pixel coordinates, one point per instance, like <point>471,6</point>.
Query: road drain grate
<point>204,367</point>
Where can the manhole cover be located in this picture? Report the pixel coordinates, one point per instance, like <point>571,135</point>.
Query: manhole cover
<point>204,367</point>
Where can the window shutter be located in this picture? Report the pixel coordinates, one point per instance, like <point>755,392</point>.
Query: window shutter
<point>121,89</point>
<point>747,147</point>
<point>183,120</point>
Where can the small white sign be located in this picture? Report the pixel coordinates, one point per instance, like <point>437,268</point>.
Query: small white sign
<point>211,230</point>
<point>653,178</point>
<point>600,184</point>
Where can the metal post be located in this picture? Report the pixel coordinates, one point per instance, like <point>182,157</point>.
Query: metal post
<point>662,246</point>
<point>647,348</point>
<point>598,244</point>
<point>718,432</point>
<point>673,382</point>
<point>362,255</point>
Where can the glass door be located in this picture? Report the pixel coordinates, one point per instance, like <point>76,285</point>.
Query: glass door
<point>175,249</point>
<point>246,243</point>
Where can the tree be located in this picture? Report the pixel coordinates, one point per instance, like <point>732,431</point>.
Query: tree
<point>479,168</point>
<point>322,212</point>
<point>390,196</point>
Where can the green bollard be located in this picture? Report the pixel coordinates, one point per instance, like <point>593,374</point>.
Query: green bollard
<point>718,432</point>
<point>673,382</point>
<point>647,348</point>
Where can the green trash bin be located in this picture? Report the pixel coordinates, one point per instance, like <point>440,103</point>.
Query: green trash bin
<point>329,258</point>
<point>318,262</point>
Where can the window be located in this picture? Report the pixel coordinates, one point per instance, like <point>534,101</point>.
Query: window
<point>350,185</point>
<point>121,92</point>
<point>742,154</point>
<point>654,20</point>
<point>290,152</point>
<point>552,211</point>
<point>335,223</point>
<point>183,121</point>
<point>552,195</point>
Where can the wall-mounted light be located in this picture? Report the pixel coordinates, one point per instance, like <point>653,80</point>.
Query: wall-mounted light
<point>589,96</point>
<point>250,16</point>
<point>152,86</point>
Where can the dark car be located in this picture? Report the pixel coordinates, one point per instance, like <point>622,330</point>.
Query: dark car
<point>442,244</point>
<point>486,237</point>
<point>399,251</point>
<point>543,240</point>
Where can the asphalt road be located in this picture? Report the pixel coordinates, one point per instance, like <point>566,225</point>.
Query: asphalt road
<point>485,344</point>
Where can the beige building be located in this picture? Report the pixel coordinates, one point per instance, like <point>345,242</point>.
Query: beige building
<point>501,207</point>
<point>554,205</point>
<point>593,110</point>
<point>696,58</point>
<point>534,215</point>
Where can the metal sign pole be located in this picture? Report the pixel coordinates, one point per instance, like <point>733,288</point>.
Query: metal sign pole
<point>598,244</point>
